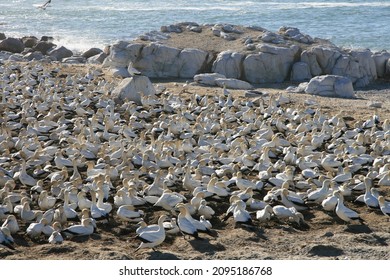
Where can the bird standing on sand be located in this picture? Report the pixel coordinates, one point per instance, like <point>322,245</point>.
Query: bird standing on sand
<point>344,212</point>
<point>154,237</point>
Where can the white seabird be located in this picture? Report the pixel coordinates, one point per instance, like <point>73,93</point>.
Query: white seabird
<point>128,213</point>
<point>168,200</point>
<point>6,239</point>
<point>291,213</point>
<point>152,238</point>
<point>264,214</point>
<point>85,228</point>
<point>369,199</point>
<point>384,205</point>
<point>240,215</point>
<point>330,202</point>
<point>35,229</point>
<point>319,195</point>
<point>205,210</point>
<point>56,238</point>
<point>11,223</point>
<point>344,212</point>
<point>185,226</point>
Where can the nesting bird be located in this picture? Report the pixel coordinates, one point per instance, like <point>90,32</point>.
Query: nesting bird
<point>154,237</point>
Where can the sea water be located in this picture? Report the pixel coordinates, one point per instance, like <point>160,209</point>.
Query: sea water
<point>80,24</point>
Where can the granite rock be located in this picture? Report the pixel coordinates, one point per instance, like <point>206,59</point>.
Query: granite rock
<point>229,64</point>
<point>60,53</point>
<point>331,86</point>
<point>12,45</point>
<point>271,65</point>
<point>132,89</point>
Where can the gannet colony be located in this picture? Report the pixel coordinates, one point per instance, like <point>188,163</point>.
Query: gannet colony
<point>74,161</point>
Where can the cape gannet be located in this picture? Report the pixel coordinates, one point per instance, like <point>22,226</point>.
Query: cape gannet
<point>152,238</point>
<point>343,212</point>
<point>6,239</point>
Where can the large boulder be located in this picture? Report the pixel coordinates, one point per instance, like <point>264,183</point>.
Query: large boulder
<point>326,58</point>
<point>331,86</point>
<point>233,84</point>
<point>387,72</point>
<point>120,72</point>
<point>191,62</point>
<point>380,60</point>
<point>347,66</point>
<point>367,67</point>
<point>271,65</point>
<point>97,59</point>
<point>29,41</point>
<point>44,46</point>
<point>2,36</point>
<point>358,65</point>
<point>91,52</point>
<point>122,53</point>
<point>229,64</point>
<point>160,61</point>
<point>310,59</point>
<point>12,45</point>
<point>208,79</point>
<point>300,72</point>
<point>60,53</point>
<point>132,89</point>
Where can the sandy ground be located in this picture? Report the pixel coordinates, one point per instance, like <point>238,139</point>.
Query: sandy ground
<point>323,237</point>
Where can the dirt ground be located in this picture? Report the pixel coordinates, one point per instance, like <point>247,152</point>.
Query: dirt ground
<point>323,237</point>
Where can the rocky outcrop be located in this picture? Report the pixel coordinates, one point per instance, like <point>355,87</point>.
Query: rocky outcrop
<point>269,57</point>
<point>357,65</point>
<point>12,45</point>
<point>157,60</point>
<point>331,86</point>
<point>91,52</point>
<point>271,65</point>
<point>208,79</point>
<point>133,89</point>
<point>233,84</point>
<point>326,58</point>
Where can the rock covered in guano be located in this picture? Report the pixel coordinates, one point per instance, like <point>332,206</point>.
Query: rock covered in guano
<point>132,89</point>
<point>331,86</point>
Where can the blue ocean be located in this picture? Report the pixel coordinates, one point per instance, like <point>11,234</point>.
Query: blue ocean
<point>80,24</point>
